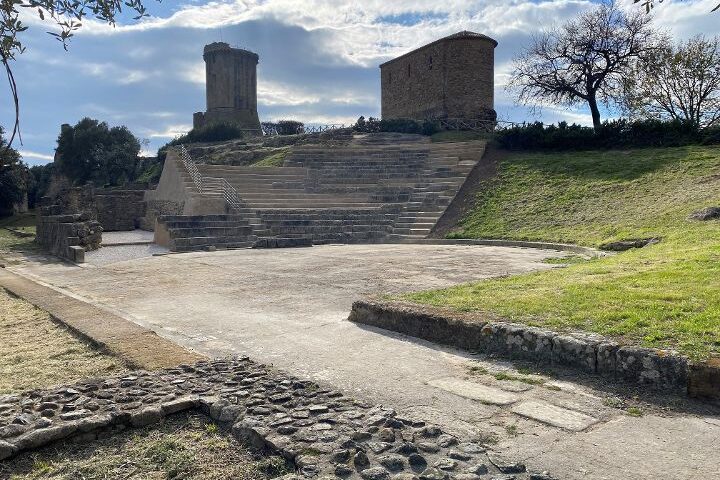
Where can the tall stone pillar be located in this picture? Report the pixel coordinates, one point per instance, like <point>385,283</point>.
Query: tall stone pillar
<point>230,87</point>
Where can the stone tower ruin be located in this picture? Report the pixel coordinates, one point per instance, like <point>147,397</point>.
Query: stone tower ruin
<point>452,77</point>
<point>230,87</point>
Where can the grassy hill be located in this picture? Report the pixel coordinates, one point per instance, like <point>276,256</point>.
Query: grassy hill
<point>664,295</point>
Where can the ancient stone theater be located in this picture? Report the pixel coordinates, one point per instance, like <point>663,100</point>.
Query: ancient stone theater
<point>449,78</point>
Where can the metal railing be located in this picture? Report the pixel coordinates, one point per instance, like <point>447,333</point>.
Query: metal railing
<point>210,185</point>
<point>269,129</point>
<point>191,168</point>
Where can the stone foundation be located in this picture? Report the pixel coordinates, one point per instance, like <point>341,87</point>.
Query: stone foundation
<point>326,435</point>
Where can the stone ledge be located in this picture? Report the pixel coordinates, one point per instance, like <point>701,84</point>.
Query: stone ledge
<point>664,370</point>
<point>135,345</point>
<point>326,435</point>
<point>562,247</point>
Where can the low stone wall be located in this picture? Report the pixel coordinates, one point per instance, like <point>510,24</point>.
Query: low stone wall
<point>660,369</point>
<point>68,236</point>
<point>120,209</point>
<point>324,433</point>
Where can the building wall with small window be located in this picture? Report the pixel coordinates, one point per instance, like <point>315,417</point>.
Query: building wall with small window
<point>450,78</point>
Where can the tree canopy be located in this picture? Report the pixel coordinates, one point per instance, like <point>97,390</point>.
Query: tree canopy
<point>650,4</point>
<point>679,82</point>
<point>66,15</point>
<point>584,60</point>
<point>13,175</point>
<point>93,151</point>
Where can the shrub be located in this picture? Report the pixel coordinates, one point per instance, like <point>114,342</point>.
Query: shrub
<point>214,132</point>
<point>613,134</point>
<point>290,127</point>
<point>398,125</point>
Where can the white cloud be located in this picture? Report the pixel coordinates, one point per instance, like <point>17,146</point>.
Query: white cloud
<point>115,73</point>
<point>170,131</point>
<point>29,154</point>
<point>273,93</point>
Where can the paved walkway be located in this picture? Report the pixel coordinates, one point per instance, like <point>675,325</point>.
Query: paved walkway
<point>288,307</point>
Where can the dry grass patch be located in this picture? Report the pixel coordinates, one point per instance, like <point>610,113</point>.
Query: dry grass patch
<point>186,446</point>
<point>35,352</point>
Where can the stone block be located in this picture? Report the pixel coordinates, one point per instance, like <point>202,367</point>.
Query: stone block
<point>578,352</point>
<point>525,343</point>
<point>704,379</point>
<point>607,358</point>
<point>76,254</point>
<point>146,416</point>
<point>657,368</point>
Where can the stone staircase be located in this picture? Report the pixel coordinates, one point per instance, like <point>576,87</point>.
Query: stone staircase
<point>380,187</point>
<point>184,233</point>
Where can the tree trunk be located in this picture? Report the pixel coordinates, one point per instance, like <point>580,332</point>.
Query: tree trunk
<point>595,112</point>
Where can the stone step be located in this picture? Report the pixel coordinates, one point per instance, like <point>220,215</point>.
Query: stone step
<point>219,245</point>
<point>190,232</point>
<point>208,240</point>
<point>212,217</point>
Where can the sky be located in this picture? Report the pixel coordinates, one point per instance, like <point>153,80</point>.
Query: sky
<point>318,59</point>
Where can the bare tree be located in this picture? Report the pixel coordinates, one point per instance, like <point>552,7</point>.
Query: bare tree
<point>650,4</point>
<point>65,14</point>
<point>584,60</point>
<point>679,83</point>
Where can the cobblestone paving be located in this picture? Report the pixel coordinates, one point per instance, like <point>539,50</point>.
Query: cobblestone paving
<point>326,434</point>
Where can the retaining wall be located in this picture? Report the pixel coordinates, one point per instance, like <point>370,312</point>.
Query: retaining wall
<point>660,369</point>
<point>120,209</point>
<point>68,236</point>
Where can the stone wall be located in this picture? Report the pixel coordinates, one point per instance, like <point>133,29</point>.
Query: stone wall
<point>450,78</point>
<point>121,209</point>
<point>157,208</point>
<point>67,224</point>
<point>659,369</point>
<point>68,236</point>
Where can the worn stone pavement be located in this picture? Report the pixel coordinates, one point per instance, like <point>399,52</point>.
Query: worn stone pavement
<point>289,307</point>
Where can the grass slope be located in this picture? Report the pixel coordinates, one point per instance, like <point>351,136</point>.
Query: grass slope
<point>666,295</point>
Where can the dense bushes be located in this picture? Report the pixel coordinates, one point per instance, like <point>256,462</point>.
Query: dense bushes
<point>93,151</point>
<point>398,125</point>
<point>613,134</point>
<point>284,127</point>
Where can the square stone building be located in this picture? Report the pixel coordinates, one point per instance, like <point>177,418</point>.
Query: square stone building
<point>452,77</point>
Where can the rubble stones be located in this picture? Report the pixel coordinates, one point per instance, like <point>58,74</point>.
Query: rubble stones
<point>327,436</point>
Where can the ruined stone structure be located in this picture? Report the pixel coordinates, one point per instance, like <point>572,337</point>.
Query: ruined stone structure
<point>449,78</point>
<point>67,224</point>
<point>230,87</point>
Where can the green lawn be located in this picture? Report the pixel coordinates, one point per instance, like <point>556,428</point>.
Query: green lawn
<point>12,243</point>
<point>665,295</point>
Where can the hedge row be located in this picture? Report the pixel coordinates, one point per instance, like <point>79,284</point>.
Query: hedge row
<point>613,134</point>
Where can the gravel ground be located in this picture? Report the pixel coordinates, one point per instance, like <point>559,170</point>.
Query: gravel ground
<point>120,253</point>
<point>135,236</point>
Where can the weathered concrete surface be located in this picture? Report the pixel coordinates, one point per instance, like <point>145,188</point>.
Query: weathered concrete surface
<point>288,307</point>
